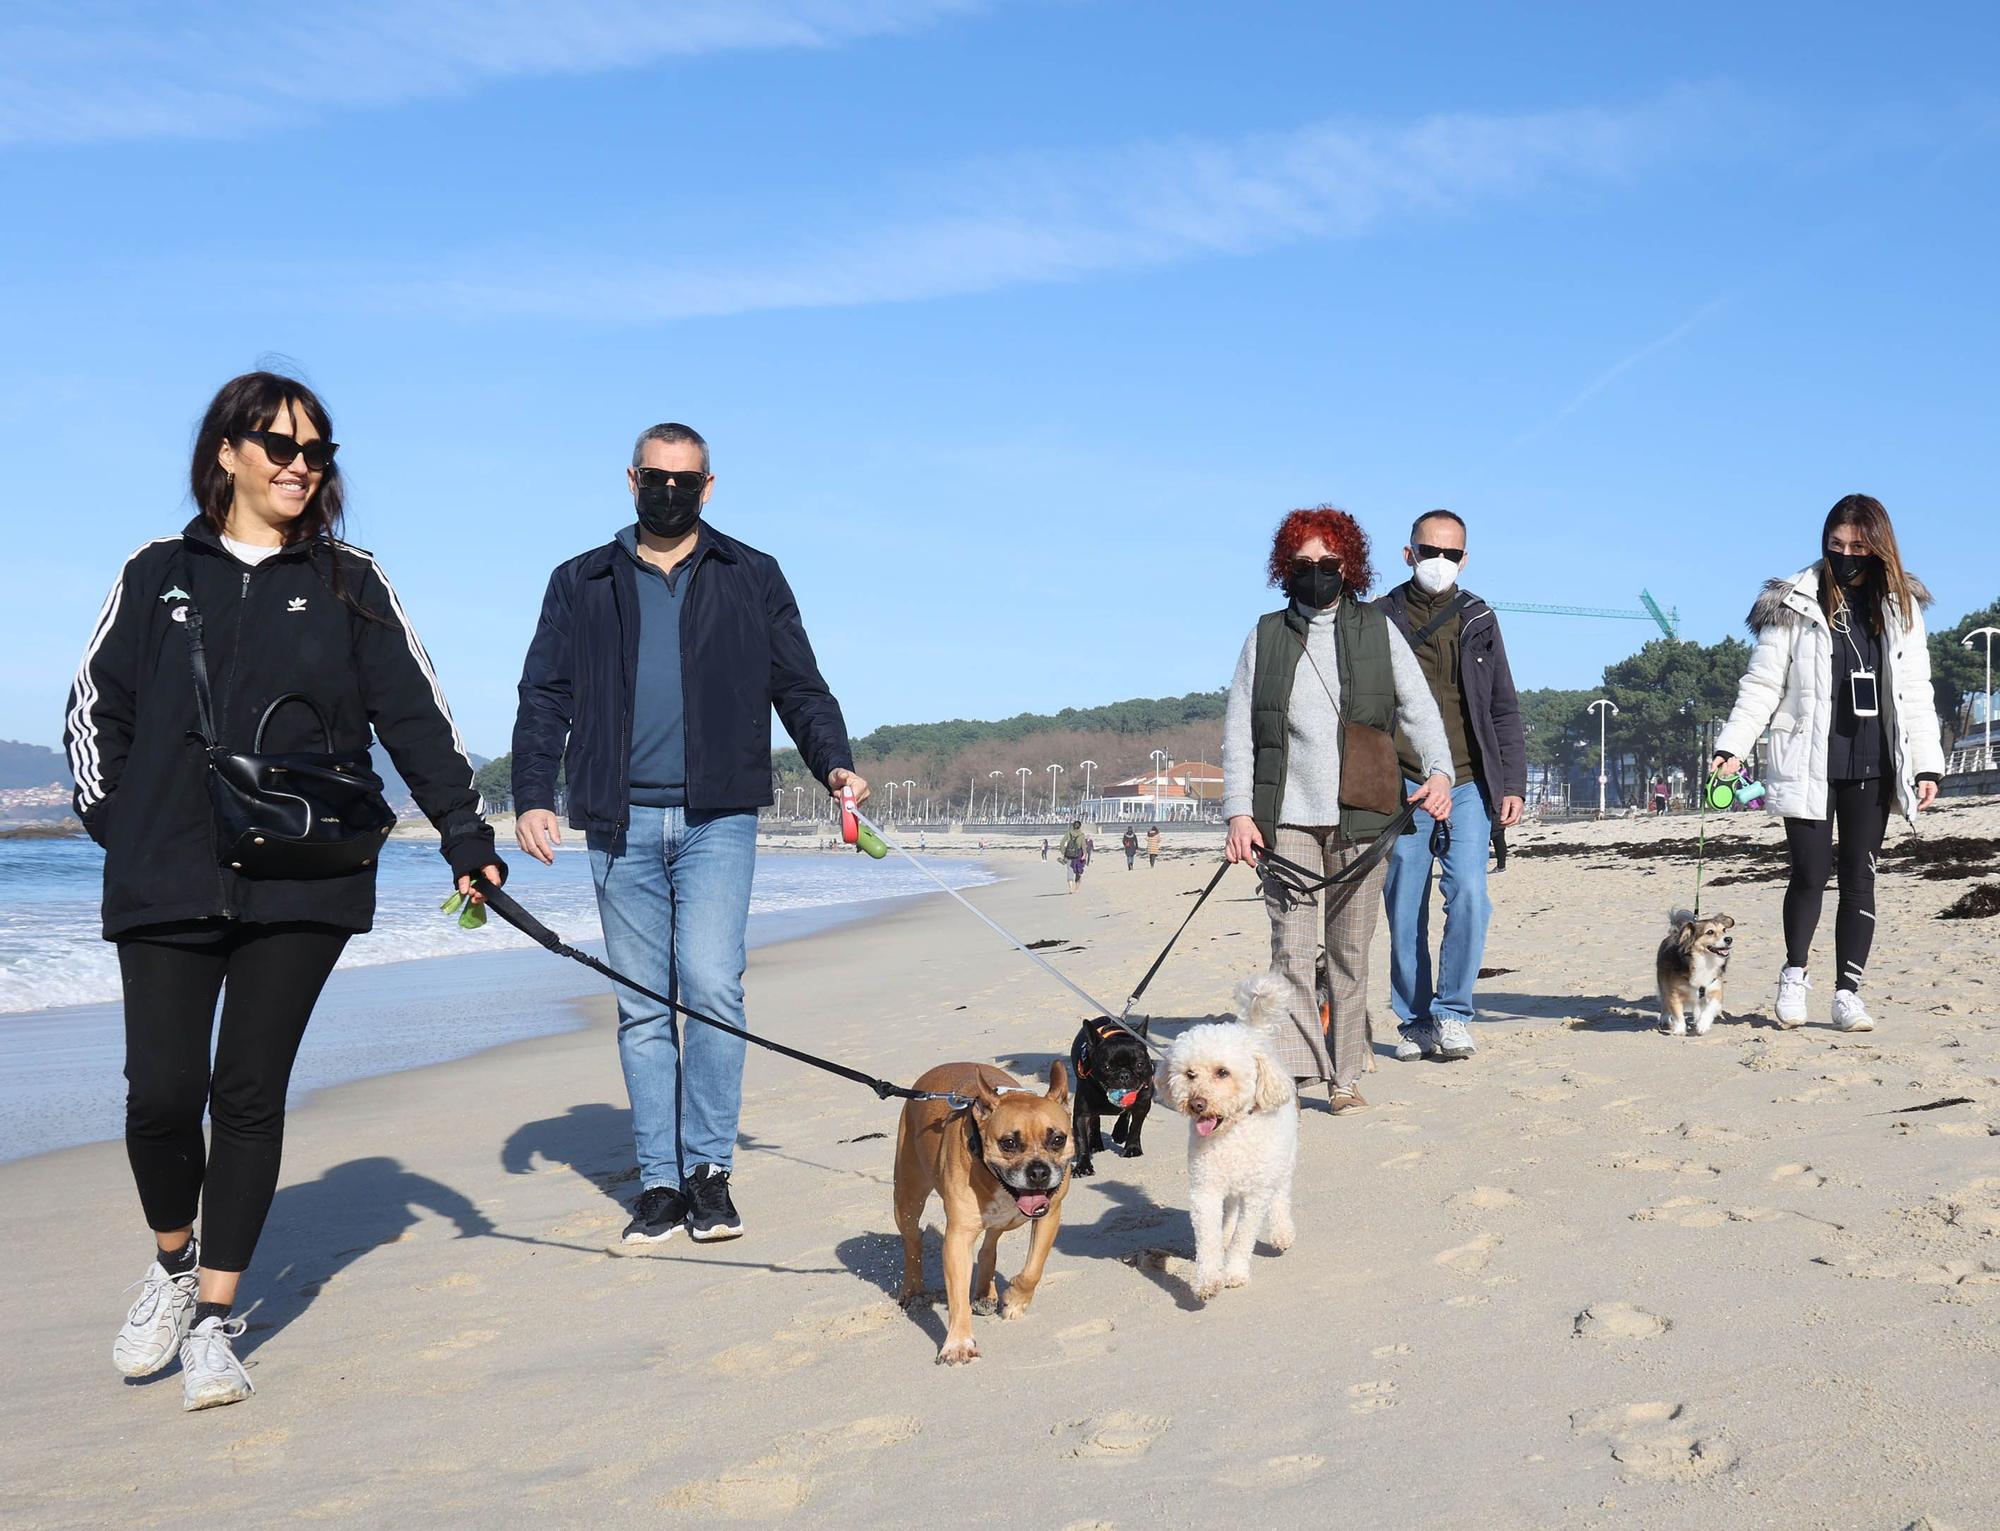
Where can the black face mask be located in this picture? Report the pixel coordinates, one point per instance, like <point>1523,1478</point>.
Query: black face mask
<point>1853,568</point>
<point>1315,587</point>
<point>669,510</point>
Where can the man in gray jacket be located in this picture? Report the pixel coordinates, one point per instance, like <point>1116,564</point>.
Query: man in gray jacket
<point>1456,639</point>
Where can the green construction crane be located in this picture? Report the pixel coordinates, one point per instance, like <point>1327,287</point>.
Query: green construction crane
<point>1669,620</point>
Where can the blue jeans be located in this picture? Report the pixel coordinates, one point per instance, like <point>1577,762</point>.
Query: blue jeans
<point>674,898</point>
<point>1416,990</point>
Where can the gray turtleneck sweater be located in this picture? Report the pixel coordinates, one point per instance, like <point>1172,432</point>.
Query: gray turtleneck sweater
<point>1312,784</point>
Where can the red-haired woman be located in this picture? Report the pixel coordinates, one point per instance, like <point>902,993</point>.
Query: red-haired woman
<point>1326,660</point>
<point>1841,675</point>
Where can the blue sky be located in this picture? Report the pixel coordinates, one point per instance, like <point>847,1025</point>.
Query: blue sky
<point>1015,326</point>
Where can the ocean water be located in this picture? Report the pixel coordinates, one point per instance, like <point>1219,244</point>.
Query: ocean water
<point>51,954</point>
<point>416,991</point>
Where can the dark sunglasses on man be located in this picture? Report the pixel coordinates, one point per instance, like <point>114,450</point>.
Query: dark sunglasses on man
<point>1425,550</point>
<point>660,478</point>
<point>281,449</point>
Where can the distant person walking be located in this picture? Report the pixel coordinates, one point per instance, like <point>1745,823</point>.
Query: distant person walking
<point>1456,639</point>
<point>302,644</point>
<point>652,675</point>
<point>1131,844</point>
<point>1325,662</point>
<point>1661,792</point>
<point>1153,846</point>
<point>1045,847</point>
<point>1074,853</point>
<point>1841,674</point>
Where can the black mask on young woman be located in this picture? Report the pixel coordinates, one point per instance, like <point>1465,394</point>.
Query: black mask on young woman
<point>669,510</point>
<point>1314,587</point>
<point>1853,568</point>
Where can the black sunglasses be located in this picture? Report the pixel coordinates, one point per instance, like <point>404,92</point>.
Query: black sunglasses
<point>1426,550</point>
<point>281,449</point>
<point>1327,565</point>
<point>659,478</point>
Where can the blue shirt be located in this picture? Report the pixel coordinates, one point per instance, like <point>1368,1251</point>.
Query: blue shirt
<point>658,773</point>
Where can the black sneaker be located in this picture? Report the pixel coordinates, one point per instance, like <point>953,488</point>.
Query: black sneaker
<point>711,1214</point>
<point>659,1210</point>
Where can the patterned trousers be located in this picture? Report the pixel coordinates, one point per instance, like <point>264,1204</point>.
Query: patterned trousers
<point>1297,931</point>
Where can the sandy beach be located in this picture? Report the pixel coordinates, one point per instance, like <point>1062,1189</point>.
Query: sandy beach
<point>1593,1277</point>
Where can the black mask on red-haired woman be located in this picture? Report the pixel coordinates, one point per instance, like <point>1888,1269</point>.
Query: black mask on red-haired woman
<point>1314,584</point>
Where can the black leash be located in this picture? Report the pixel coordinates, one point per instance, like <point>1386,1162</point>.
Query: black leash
<point>504,905</point>
<point>1302,882</point>
<point>1141,989</point>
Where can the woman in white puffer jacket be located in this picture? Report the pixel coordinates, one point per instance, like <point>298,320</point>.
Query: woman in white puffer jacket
<point>1841,675</point>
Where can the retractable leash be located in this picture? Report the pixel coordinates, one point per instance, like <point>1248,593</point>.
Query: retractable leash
<point>1097,1006</point>
<point>504,905</point>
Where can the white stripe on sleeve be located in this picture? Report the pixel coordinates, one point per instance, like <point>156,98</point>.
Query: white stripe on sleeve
<point>85,761</point>
<point>423,662</point>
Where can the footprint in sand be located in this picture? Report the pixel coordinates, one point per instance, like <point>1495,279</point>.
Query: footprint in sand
<point>1389,1350</point>
<point>1619,1321</point>
<point>1470,1258</point>
<point>1673,1458</point>
<point>851,1324</point>
<point>1402,1161</point>
<point>1274,1472</point>
<point>781,1480</point>
<point>469,1340</point>
<point>1121,1433</point>
<point>1976,1207</point>
<point>1800,1174</point>
<point>1656,1164</point>
<point>1484,1197</point>
<point>1370,1396</point>
<point>1684,1212</point>
<point>753,1358</point>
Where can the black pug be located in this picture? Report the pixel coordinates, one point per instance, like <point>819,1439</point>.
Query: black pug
<point>1113,1073</point>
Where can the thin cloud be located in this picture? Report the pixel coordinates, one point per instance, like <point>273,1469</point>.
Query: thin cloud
<point>1014,222</point>
<point>93,70</point>
<point>1618,369</point>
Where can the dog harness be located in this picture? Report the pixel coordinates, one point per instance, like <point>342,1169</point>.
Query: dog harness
<point>1104,1029</point>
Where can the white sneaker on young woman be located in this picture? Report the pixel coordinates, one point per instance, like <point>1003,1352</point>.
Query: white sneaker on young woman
<point>1792,989</point>
<point>1849,1014</point>
<point>158,1321</point>
<point>210,1373</point>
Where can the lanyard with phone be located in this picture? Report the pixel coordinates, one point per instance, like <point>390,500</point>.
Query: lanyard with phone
<point>1863,689</point>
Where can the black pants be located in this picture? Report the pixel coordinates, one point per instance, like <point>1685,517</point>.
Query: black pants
<point>269,977</point>
<point>1861,809</point>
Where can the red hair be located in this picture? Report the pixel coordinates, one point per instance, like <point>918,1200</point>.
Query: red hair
<point>1341,533</point>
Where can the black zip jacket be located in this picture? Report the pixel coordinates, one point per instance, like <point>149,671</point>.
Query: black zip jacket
<point>744,651</point>
<point>1486,681</point>
<point>141,787</point>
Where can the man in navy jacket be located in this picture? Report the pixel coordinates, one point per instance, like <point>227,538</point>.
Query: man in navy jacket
<point>650,680</point>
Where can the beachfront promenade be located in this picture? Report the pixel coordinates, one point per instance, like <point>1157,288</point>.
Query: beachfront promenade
<point>1596,1278</point>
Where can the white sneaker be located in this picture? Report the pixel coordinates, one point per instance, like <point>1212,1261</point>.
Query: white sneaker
<point>1792,987</point>
<point>1849,1014</point>
<point>210,1373</point>
<point>157,1323</point>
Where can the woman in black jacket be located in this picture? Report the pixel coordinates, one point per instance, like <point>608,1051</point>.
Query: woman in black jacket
<point>285,607</point>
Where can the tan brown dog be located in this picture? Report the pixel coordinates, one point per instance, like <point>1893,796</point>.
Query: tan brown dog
<point>1001,1162</point>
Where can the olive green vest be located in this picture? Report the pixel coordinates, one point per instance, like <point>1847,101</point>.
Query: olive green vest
<point>1367,695</point>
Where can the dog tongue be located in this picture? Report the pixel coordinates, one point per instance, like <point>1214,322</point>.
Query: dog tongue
<point>1033,1203</point>
<point>1206,1125</point>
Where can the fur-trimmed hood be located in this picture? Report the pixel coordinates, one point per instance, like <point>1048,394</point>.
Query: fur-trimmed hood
<point>1770,608</point>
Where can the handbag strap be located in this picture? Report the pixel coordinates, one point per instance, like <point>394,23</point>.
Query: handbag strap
<point>204,711</point>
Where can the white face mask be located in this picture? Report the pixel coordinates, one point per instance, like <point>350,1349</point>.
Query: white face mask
<point>1434,576</point>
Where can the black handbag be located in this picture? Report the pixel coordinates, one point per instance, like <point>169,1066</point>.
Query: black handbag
<point>293,816</point>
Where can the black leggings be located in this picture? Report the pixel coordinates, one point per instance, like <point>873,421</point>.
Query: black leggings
<point>273,977</point>
<point>1862,810</point>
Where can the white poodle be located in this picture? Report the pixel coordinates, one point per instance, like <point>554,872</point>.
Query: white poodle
<point>1243,1138</point>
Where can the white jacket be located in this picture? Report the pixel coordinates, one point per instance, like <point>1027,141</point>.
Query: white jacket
<point>1789,689</point>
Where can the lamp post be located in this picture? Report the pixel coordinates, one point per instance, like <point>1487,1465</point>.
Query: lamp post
<point>994,777</point>
<point>909,797</point>
<point>1024,773</point>
<point>1088,767</point>
<point>1989,634</point>
<point>799,801</point>
<point>1603,760</point>
<point>1159,759</point>
<point>1054,771</point>
<point>889,805</point>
